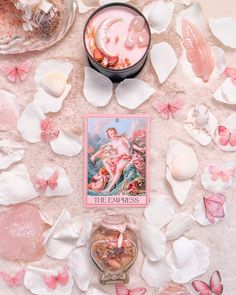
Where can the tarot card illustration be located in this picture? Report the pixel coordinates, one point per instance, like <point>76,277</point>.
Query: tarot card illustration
<point>116,160</point>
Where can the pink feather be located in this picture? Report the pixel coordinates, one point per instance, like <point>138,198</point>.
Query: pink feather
<point>198,51</point>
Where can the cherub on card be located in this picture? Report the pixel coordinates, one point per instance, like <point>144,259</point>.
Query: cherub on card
<point>116,160</point>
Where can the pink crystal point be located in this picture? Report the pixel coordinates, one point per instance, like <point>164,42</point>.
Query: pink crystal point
<point>131,40</point>
<point>198,51</point>
<point>21,230</point>
<point>137,24</point>
<point>143,39</point>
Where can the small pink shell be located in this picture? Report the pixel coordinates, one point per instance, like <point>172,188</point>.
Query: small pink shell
<point>175,289</point>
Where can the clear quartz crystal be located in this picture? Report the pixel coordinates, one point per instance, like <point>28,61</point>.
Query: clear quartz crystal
<point>137,24</point>
<point>143,39</point>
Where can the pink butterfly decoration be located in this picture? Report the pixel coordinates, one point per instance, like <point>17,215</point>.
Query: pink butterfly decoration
<point>42,184</point>
<point>227,137</point>
<point>231,72</point>
<point>214,207</point>
<point>215,287</point>
<point>21,71</point>
<point>169,109</point>
<point>198,51</point>
<point>123,290</point>
<point>16,280</point>
<point>49,129</point>
<point>52,281</point>
<point>217,173</point>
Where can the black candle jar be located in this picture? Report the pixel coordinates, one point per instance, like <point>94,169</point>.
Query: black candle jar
<point>117,75</point>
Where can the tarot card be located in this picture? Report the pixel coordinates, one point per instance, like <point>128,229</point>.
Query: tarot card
<point>116,160</point>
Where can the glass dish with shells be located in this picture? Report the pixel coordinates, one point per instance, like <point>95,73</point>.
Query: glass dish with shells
<point>28,25</point>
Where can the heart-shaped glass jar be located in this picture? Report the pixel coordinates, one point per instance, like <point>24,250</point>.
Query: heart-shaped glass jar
<point>114,249</point>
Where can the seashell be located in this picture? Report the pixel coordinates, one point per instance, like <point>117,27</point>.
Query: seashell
<point>222,179</point>
<point>185,166</point>
<point>35,283</point>
<point>162,207</point>
<point>187,260</point>
<point>156,274</point>
<point>182,187</point>
<point>50,78</point>
<point>10,152</point>
<point>22,190</point>
<point>163,60</point>
<point>226,134</point>
<point>81,275</point>
<point>224,30</point>
<point>226,93</point>
<point>99,93</point>
<point>181,223</point>
<point>137,90</point>
<point>159,14</point>
<point>200,214</point>
<point>153,241</point>
<point>201,124</point>
<point>54,83</point>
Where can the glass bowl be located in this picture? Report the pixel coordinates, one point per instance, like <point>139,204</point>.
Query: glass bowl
<point>16,39</point>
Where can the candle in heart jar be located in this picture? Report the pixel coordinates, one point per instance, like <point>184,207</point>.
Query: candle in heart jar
<point>117,39</point>
<point>114,249</point>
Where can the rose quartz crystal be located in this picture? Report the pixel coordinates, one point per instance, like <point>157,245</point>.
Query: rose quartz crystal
<point>137,24</point>
<point>21,231</point>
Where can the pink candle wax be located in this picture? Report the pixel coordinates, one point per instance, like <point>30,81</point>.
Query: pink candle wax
<point>117,37</point>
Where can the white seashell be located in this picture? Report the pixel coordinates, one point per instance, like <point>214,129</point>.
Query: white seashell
<point>181,170</point>
<point>50,78</point>
<point>163,60</point>
<point>226,92</point>
<point>160,211</point>
<point>181,223</point>
<point>131,93</point>
<point>34,281</point>
<point>201,124</point>
<point>230,124</point>
<point>218,185</point>
<point>66,144</point>
<point>156,274</point>
<point>81,275</point>
<point>22,190</point>
<point>187,260</point>
<point>63,187</point>
<point>180,188</point>
<point>10,152</point>
<point>200,214</point>
<point>153,241</point>
<point>54,83</point>
<point>192,14</point>
<point>159,14</point>
<point>224,29</point>
<point>99,93</point>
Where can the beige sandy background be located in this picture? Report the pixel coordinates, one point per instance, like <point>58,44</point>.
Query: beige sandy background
<point>221,238</point>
